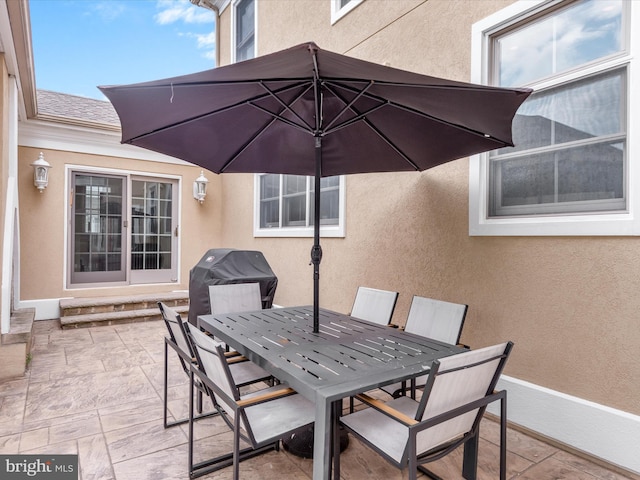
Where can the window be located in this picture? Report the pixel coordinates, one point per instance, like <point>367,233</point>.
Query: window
<point>244,27</point>
<point>570,171</point>
<point>339,8</point>
<point>285,206</point>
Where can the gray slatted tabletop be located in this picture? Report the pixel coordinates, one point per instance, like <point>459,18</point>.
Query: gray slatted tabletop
<point>347,356</point>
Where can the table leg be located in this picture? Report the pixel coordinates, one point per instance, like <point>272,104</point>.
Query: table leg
<point>336,411</point>
<point>322,440</point>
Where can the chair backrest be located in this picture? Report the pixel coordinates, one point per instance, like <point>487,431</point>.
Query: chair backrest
<point>211,362</point>
<point>455,381</point>
<point>374,305</point>
<point>175,326</point>
<point>436,319</point>
<point>234,297</point>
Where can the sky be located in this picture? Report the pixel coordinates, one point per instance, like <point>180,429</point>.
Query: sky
<point>80,44</point>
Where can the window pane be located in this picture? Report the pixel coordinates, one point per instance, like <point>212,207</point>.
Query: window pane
<point>294,202</point>
<point>572,37</point>
<point>294,211</point>
<point>245,25</point>
<point>590,173</point>
<point>329,201</point>
<point>269,214</point>
<point>577,111</point>
<point>294,184</point>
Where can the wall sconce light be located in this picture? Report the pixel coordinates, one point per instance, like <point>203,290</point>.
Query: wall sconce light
<point>41,173</point>
<point>200,188</point>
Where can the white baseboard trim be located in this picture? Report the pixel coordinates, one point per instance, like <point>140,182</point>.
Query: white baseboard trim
<point>603,432</point>
<point>46,308</point>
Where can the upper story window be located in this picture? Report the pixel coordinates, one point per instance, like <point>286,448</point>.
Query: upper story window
<point>571,169</point>
<point>339,8</point>
<point>244,27</point>
<point>285,206</point>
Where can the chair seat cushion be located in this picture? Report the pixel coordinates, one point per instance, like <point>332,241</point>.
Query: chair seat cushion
<point>271,420</point>
<point>245,373</point>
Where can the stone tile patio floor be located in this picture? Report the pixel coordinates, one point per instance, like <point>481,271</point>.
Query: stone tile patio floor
<point>97,392</point>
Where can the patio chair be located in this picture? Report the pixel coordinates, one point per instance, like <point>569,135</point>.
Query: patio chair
<point>435,319</point>
<point>260,418</point>
<point>374,305</point>
<point>244,372</point>
<point>234,297</point>
<point>411,433</point>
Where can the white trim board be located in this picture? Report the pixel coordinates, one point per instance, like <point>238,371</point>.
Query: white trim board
<point>603,432</point>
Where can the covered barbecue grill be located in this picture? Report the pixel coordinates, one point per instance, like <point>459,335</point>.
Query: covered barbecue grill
<point>227,265</point>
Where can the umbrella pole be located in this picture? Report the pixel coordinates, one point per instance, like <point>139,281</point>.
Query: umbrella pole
<point>316,250</point>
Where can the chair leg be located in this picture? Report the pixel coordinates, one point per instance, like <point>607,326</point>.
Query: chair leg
<point>413,455</point>
<point>236,447</point>
<point>166,381</point>
<point>191,383</point>
<point>503,436</point>
<point>470,458</point>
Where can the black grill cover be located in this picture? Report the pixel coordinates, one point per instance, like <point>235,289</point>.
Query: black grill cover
<point>226,265</point>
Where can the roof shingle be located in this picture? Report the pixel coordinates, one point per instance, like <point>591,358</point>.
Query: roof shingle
<point>75,107</point>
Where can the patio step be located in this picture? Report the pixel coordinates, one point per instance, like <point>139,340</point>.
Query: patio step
<point>96,311</point>
<point>16,345</point>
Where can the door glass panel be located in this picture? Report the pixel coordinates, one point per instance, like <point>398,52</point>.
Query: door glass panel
<point>97,229</point>
<point>151,225</point>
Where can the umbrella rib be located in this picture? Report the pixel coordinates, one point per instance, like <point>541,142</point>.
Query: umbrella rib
<point>246,145</point>
<point>287,107</point>
<point>347,106</point>
<point>361,116</point>
<point>220,110</point>
<point>274,117</point>
<point>414,111</point>
<point>357,118</point>
<point>391,144</point>
<point>277,116</point>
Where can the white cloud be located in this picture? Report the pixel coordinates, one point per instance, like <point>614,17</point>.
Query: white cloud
<point>171,11</point>
<point>107,11</point>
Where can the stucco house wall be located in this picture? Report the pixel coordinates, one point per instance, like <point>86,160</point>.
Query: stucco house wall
<point>570,304</point>
<point>44,213</point>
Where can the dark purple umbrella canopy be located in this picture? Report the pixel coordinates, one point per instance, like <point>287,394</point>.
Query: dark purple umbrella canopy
<point>308,111</point>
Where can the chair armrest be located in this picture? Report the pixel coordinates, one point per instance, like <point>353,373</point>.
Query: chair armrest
<point>231,354</point>
<point>236,359</point>
<point>386,409</point>
<point>265,397</point>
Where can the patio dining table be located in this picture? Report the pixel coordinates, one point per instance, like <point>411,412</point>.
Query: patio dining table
<point>346,357</point>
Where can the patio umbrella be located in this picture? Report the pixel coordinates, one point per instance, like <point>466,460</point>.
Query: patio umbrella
<point>308,111</point>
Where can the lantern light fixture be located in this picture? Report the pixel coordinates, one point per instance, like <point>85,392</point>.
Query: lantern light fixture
<point>200,188</point>
<point>41,173</point>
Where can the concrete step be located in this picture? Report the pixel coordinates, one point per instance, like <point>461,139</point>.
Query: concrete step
<point>90,312</point>
<point>16,344</point>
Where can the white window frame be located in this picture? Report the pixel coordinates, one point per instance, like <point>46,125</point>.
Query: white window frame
<point>623,223</point>
<point>337,13</point>
<point>307,231</point>
<point>234,46</point>
<point>128,174</point>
